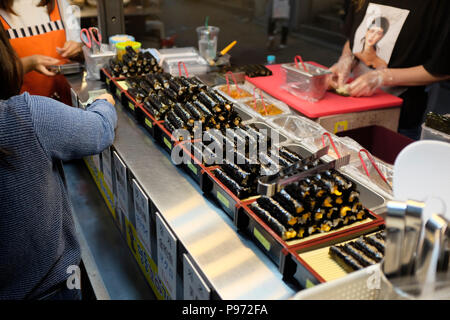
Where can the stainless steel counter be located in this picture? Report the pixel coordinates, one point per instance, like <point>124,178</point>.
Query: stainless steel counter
<point>232,264</point>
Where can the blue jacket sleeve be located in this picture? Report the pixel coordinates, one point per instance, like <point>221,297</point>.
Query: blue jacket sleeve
<point>69,133</point>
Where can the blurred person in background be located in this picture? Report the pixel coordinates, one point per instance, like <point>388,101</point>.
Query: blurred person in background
<point>279,17</point>
<point>408,50</point>
<point>43,33</point>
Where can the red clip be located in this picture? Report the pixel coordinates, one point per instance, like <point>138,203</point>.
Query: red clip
<point>299,58</point>
<point>262,99</point>
<point>372,161</point>
<point>185,70</point>
<point>332,143</point>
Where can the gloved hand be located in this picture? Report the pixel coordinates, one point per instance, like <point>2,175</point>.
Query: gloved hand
<point>368,83</point>
<point>341,72</point>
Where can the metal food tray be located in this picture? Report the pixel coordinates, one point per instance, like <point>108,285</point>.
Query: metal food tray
<point>285,110</point>
<point>311,84</point>
<point>275,247</point>
<point>299,265</point>
<point>226,199</point>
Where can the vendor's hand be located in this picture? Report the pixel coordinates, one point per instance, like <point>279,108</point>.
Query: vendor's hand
<point>70,49</point>
<point>39,63</point>
<point>340,72</point>
<point>107,97</point>
<point>368,83</point>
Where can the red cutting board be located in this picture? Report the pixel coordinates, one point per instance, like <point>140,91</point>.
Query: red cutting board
<point>331,104</point>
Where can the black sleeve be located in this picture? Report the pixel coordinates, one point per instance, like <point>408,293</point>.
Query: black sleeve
<point>439,61</point>
<point>349,20</point>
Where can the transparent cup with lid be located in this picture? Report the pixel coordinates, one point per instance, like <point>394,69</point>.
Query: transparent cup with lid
<point>207,41</point>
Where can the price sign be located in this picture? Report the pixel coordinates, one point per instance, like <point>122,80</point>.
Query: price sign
<point>121,194</point>
<point>142,215</point>
<point>167,256</point>
<point>194,288</point>
<point>107,173</point>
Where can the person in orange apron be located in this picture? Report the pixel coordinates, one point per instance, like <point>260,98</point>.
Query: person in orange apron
<point>40,46</point>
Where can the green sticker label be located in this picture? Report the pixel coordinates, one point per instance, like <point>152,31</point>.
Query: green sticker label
<point>131,105</point>
<point>148,123</point>
<point>108,81</point>
<point>193,168</point>
<point>309,284</point>
<point>223,199</point>
<point>167,143</point>
<point>261,239</point>
<point>118,93</point>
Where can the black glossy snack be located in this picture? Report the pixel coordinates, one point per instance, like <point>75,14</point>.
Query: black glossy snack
<point>203,153</point>
<point>319,215</point>
<point>146,87</point>
<point>376,242</point>
<point>207,100</point>
<point>198,82</point>
<point>347,262</point>
<point>240,191</point>
<point>306,230</point>
<point>278,158</point>
<point>247,164</point>
<point>206,112</point>
<point>289,155</point>
<point>289,203</point>
<point>133,82</point>
<point>368,249</point>
<point>195,112</point>
<point>168,124</point>
<point>228,105</point>
<point>220,139</point>
<point>273,223</point>
<point>242,177</point>
<point>191,88</point>
<point>151,60</point>
<point>177,86</point>
<point>262,138</point>
<point>184,115</point>
<point>128,60</point>
<point>248,137</point>
<point>155,113</point>
<point>358,255</point>
<point>163,80</point>
<point>238,140</point>
<point>177,122</point>
<point>159,105</point>
<point>277,211</point>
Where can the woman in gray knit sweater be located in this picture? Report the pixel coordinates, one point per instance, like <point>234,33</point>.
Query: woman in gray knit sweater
<point>38,246</point>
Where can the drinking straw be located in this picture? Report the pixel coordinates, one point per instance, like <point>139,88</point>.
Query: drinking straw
<point>235,82</point>
<point>262,100</point>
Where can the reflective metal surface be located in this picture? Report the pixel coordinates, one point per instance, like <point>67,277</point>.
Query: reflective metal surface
<point>232,264</point>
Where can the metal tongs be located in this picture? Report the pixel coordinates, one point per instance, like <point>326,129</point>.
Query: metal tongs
<point>270,185</point>
<point>416,250</point>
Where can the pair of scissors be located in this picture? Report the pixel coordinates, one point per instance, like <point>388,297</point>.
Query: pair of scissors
<point>91,38</point>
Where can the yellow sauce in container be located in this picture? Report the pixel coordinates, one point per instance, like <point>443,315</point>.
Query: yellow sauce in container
<point>266,109</point>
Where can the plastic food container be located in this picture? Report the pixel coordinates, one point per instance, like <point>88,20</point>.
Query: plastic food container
<point>433,134</point>
<point>95,62</point>
<point>310,84</point>
<point>264,107</point>
<point>115,39</point>
<point>122,45</point>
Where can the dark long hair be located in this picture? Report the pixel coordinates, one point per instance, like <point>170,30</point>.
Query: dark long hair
<point>8,4</point>
<point>11,73</point>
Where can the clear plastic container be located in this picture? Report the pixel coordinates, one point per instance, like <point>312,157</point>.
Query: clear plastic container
<point>433,134</point>
<point>265,108</point>
<point>310,84</point>
<point>207,41</point>
<point>95,62</point>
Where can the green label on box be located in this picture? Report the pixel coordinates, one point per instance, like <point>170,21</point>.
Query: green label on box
<point>167,143</point>
<point>223,199</point>
<point>148,123</point>
<point>309,284</point>
<point>193,168</point>
<point>108,81</point>
<point>118,93</point>
<point>261,239</point>
<point>131,105</point>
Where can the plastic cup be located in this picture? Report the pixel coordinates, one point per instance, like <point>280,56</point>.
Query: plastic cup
<point>207,41</point>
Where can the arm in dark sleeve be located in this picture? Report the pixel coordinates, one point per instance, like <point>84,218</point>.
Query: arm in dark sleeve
<point>69,133</point>
<point>439,63</point>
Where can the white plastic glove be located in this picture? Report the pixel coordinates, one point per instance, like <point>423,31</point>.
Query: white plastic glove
<point>368,83</point>
<point>341,72</point>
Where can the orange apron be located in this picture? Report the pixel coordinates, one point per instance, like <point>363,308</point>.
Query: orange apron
<point>43,40</point>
